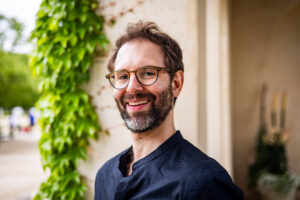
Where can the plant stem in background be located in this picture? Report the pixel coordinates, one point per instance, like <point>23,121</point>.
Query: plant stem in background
<point>283,110</point>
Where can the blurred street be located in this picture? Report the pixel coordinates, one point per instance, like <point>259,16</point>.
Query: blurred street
<point>20,169</point>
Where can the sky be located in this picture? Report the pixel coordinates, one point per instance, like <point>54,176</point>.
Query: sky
<point>24,11</point>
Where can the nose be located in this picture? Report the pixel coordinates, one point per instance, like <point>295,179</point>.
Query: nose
<point>133,85</point>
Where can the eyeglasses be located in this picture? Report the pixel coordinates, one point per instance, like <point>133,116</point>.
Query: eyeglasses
<point>146,75</point>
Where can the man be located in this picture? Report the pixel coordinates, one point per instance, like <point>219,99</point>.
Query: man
<point>147,76</point>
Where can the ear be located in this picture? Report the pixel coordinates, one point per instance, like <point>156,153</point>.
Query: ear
<point>177,83</point>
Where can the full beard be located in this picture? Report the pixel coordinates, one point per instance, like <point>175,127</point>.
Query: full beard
<point>146,120</point>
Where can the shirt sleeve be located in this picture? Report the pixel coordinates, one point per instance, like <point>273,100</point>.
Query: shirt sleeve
<point>218,187</point>
<point>97,187</point>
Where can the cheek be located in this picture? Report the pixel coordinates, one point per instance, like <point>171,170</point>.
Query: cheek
<point>157,91</point>
<point>161,86</point>
<point>162,83</point>
<point>117,95</point>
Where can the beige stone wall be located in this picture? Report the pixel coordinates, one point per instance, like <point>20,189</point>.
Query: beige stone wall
<point>179,19</point>
<point>265,48</point>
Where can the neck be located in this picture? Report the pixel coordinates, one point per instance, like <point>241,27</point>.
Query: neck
<point>146,142</point>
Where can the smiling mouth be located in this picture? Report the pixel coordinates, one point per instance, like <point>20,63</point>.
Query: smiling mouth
<point>137,103</point>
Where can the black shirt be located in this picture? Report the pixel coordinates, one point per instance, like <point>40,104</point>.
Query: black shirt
<point>175,170</point>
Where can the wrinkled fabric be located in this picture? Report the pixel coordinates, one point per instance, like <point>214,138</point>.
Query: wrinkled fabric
<point>175,170</point>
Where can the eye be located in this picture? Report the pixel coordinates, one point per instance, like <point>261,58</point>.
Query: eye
<point>147,73</point>
<point>122,77</point>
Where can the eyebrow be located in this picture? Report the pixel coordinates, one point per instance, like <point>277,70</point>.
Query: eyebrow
<point>140,67</point>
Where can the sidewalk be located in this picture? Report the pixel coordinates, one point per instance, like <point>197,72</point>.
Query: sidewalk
<point>20,168</point>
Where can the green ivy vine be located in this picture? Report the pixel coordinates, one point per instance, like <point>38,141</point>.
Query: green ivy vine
<point>67,35</point>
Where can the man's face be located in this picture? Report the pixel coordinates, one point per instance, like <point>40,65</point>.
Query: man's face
<point>143,107</point>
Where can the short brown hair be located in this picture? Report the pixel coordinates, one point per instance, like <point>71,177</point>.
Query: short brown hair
<point>151,32</point>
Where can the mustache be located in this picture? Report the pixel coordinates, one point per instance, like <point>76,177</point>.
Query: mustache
<point>140,95</point>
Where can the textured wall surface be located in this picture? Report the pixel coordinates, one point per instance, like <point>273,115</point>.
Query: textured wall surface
<point>265,48</point>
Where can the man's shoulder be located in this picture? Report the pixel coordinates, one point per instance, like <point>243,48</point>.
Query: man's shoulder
<point>200,163</point>
<point>195,156</point>
<point>206,174</point>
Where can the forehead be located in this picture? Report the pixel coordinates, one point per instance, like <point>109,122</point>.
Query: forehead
<point>138,53</point>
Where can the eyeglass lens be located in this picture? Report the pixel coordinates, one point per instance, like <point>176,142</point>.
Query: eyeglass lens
<point>145,76</point>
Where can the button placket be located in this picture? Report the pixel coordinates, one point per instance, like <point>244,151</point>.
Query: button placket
<point>121,190</point>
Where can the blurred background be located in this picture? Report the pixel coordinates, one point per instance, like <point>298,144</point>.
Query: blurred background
<point>231,49</point>
<point>20,169</point>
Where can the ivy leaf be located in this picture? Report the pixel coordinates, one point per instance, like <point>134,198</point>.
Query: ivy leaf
<point>84,97</point>
<point>73,40</point>
<point>90,47</point>
<point>83,18</point>
<point>80,53</point>
<point>59,143</point>
<point>91,131</point>
<point>94,5</point>
<point>46,146</point>
<point>58,63</point>
<point>41,13</point>
<point>64,42</point>
<point>64,162</point>
<point>81,31</point>
<point>53,26</point>
<point>82,152</point>
<point>68,64</point>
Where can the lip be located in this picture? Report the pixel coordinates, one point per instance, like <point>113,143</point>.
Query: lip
<point>136,108</point>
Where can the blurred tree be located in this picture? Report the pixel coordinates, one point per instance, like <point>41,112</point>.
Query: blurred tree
<point>17,86</point>
<point>11,32</point>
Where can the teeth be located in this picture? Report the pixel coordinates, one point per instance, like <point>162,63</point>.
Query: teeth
<point>137,103</point>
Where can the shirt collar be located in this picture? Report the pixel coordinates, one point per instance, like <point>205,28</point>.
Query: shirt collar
<point>127,156</point>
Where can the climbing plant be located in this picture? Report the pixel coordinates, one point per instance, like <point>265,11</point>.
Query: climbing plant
<point>67,35</point>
